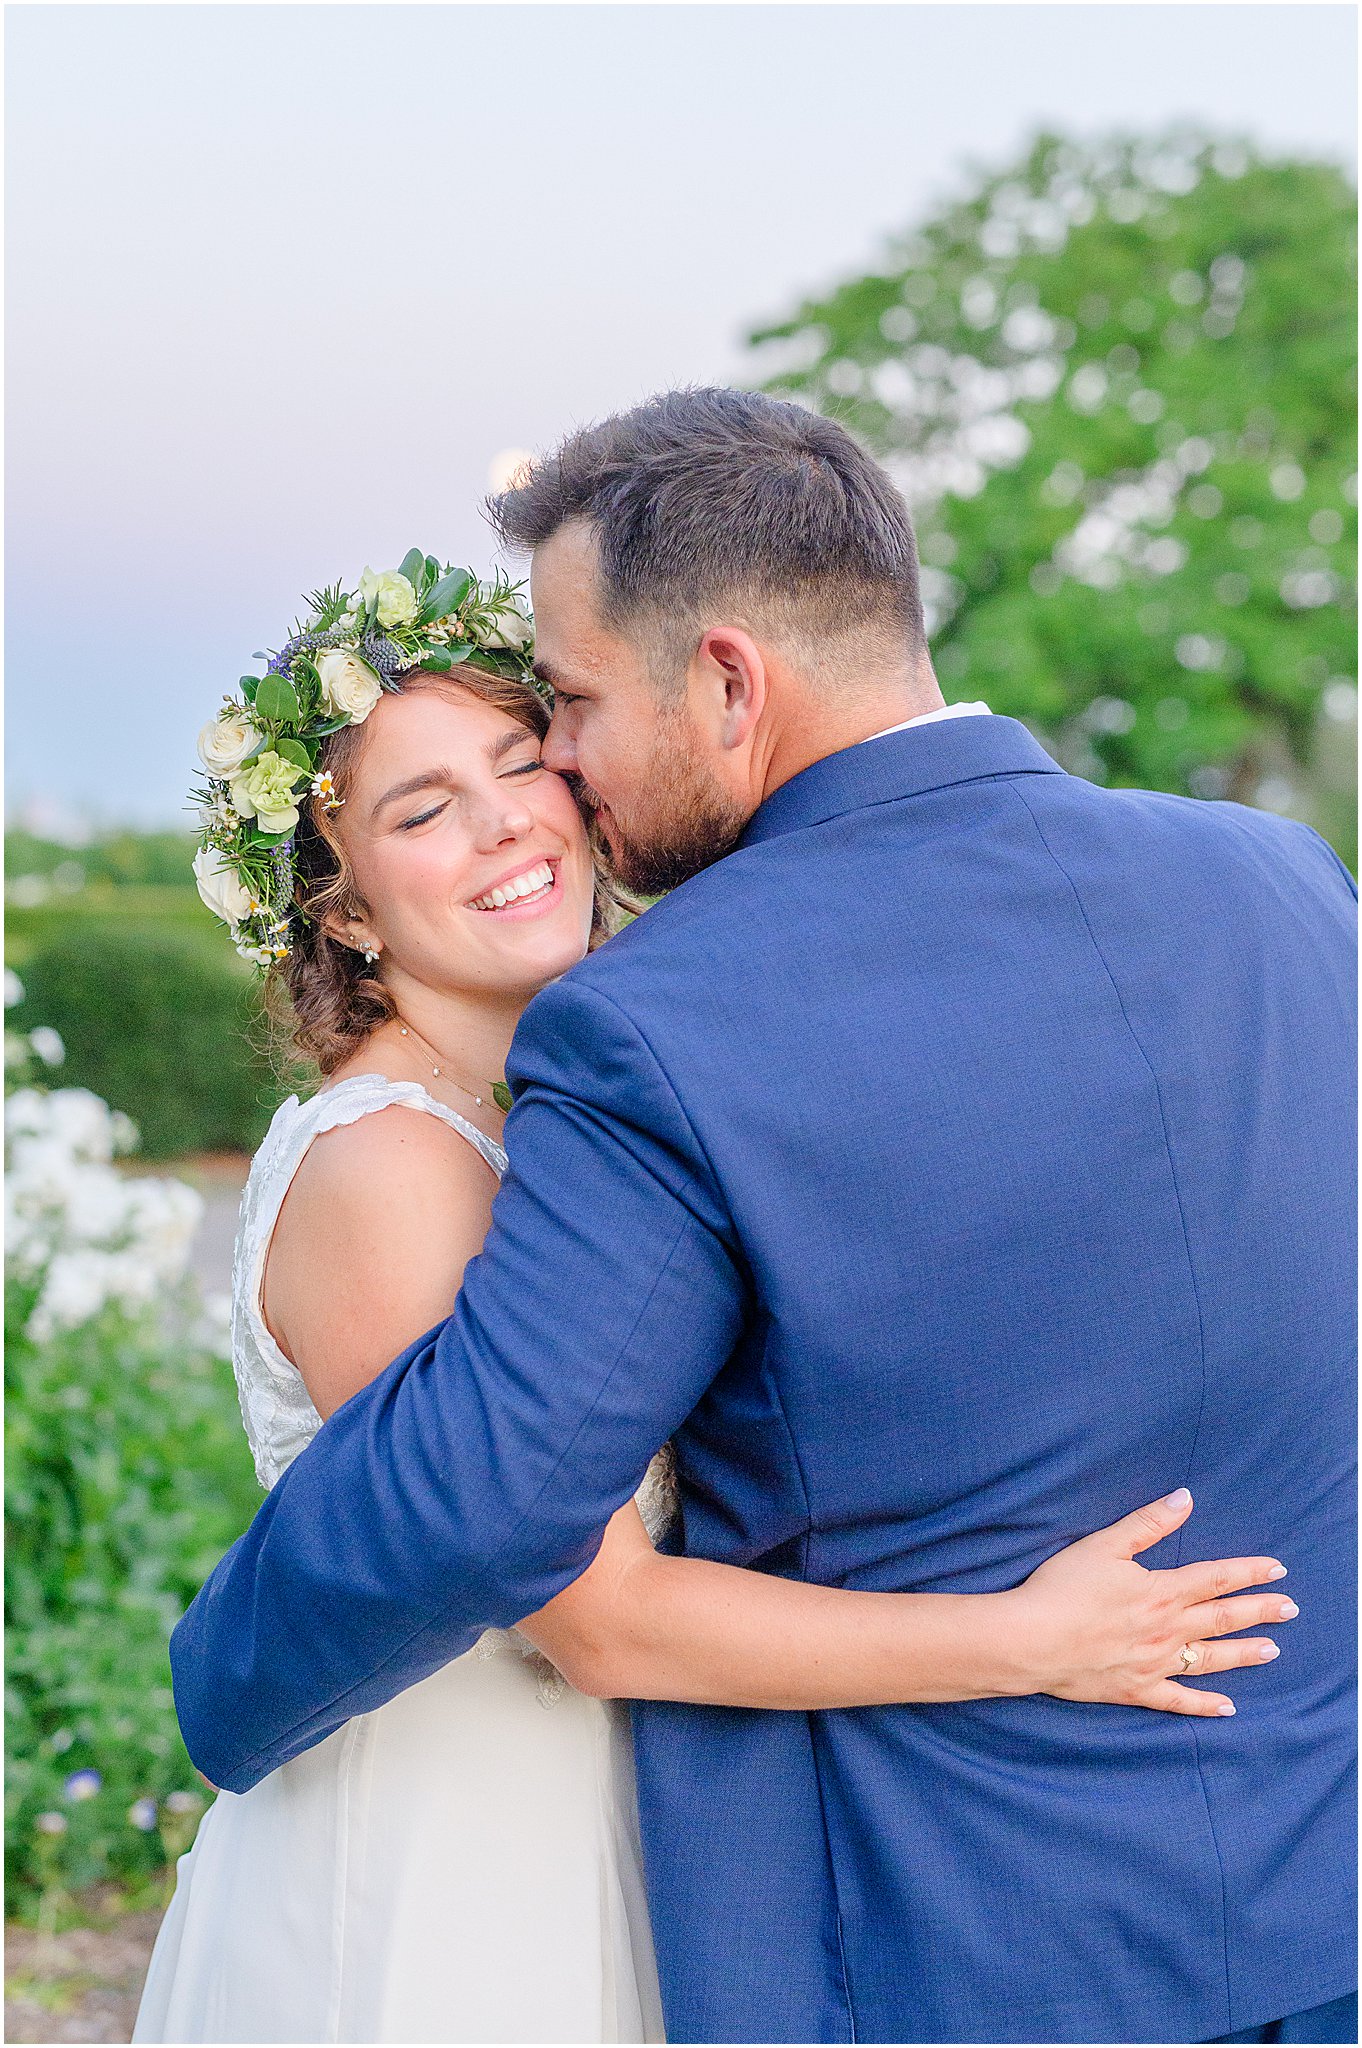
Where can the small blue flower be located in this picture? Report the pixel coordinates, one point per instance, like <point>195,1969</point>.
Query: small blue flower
<point>142,1814</point>
<point>82,1785</point>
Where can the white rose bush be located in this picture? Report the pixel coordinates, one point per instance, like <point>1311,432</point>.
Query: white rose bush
<point>264,755</point>
<point>126,1475</point>
<point>82,1233</point>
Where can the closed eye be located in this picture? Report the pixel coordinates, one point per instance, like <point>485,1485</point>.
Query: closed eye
<point>424,818</point>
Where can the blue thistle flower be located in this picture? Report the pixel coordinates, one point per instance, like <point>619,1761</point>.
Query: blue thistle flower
<point>385,657</point>
<point>305,643</point>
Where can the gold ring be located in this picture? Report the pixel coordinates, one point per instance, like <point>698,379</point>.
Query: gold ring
<point>1188,1657</point>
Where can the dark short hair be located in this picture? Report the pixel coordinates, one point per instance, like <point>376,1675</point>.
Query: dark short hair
<point>706,496</point>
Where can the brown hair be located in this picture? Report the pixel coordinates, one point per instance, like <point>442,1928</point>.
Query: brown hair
<point>324,999</point>
<point>702,497</point>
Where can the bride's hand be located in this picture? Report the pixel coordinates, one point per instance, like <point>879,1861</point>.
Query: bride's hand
<point>1094,1625</point>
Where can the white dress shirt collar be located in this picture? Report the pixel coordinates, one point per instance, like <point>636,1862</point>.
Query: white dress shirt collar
<point>931,718</point>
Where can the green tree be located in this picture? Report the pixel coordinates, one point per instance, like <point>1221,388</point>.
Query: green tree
<point>1117,383</point>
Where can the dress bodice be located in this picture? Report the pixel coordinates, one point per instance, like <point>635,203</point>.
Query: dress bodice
<point>276,1408</point>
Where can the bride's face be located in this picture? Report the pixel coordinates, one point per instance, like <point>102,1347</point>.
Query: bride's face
<point>447,809</point>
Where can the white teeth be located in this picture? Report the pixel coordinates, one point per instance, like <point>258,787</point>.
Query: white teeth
<point>531,884</point>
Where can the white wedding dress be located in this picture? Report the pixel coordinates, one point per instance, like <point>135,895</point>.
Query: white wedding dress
<point>460,1865</point>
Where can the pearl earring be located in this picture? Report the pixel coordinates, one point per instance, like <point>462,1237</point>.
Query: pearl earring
<point>369,954</point>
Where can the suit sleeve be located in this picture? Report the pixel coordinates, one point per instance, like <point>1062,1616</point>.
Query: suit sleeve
<point>473,1479</point>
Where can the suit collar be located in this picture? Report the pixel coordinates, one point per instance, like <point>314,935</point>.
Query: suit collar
<point>899,764</point>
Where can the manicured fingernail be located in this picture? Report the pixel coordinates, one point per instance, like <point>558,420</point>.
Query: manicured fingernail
<point>1269,1651</point>
<point>1289,1610</point>
<point>1178,1499</point>
<point>1226,1708</point>
<point>1278,1572</point>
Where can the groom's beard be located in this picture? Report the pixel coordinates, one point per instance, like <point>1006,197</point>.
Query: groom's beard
<point>680,823</point>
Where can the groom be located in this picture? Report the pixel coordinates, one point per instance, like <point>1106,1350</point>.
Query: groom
<point>958,1154</point>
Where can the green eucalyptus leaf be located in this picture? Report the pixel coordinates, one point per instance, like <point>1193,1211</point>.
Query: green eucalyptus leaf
<point>448,594</point>
<point>302,756</point>
<point>432,570</point>
<point>458,654</point>
<point>321,732</point>
<point>436,660</point>
<point>249,686</point>
<point>277,700</point>
<point>413,562</point>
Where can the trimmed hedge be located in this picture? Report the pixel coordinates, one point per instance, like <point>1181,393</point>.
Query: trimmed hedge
<point>161,1026</point>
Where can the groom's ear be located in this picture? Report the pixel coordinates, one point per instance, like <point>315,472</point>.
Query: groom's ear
<point>729,680</point>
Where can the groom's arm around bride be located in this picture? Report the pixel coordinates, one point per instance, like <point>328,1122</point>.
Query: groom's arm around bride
<point>963,1159</point>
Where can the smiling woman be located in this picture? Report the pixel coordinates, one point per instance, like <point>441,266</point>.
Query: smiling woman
<point>439,806</point>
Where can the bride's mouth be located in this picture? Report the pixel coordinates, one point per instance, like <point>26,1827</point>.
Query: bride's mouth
<point>533,888</point>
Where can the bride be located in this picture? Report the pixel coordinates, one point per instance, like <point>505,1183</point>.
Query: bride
<point>463,1864</point>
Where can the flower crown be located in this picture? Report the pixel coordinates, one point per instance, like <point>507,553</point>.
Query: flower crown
<point>262,751</point>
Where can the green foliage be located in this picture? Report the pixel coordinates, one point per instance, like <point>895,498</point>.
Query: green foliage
<point>126,1476</point>
<point>173,913</point>
<point>1117,382</point>
<point>161,1026</point>
<point>115,860</point>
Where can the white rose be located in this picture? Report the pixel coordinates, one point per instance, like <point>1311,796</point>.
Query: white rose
<point>350,689</point>
<point>225,743</point>
<point>221,886</point>
<point>397,604</point>
<point>511,627</point>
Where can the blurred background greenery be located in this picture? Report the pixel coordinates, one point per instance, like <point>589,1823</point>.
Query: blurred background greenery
<point>1116,382</point>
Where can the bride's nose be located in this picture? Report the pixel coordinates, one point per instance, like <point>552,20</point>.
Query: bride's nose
<point>502,821</point>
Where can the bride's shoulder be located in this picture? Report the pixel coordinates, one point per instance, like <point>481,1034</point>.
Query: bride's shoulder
<point>384,1206</point>
<point>368,1156</point>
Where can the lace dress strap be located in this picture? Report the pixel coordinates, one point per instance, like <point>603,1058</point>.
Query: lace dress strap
<point>363,1094</point>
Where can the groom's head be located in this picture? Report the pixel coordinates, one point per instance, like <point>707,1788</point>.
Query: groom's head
<point>725,588</point>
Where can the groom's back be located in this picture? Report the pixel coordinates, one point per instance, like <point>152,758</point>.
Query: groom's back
<point>1030,1103</point>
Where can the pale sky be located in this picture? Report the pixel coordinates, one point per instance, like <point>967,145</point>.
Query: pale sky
<point>284,280</point>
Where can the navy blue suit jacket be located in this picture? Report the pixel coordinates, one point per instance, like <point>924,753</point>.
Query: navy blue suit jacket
<point>962,1162</point>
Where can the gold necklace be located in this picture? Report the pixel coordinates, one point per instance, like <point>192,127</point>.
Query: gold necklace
<point>498,1090</point>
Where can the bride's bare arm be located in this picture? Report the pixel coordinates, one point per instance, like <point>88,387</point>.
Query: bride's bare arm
<point>1090,1624</point>
<point>370,1246</point>
<point>368,1253</point>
